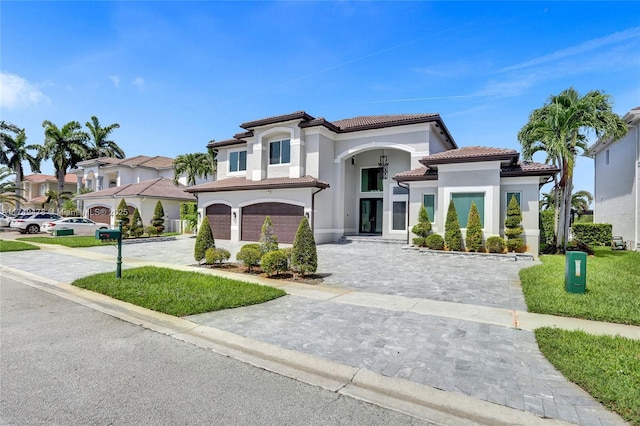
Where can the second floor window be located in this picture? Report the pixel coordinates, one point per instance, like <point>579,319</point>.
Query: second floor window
<point>237,161</point>
<point>280,152</point>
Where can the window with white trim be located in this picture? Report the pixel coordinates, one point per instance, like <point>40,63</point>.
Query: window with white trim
<point>371,180</point>
<point>462,202</point>
<point>237,161</point>
<point>399,219</point>
<point>280,152</point>
<point>429,203</point>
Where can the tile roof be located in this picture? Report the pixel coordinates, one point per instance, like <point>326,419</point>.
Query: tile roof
<point>469,154</point>
<point>420,173</point>
<point>518,169</point>
<point>298,115</point>
<point>39,177</point>
<point>153,188</point>
<point>376,121</point>
<point>241,183</point>
<point>155,162</point>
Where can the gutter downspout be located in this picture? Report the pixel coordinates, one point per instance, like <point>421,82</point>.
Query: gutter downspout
<point>408,207</point>
<point>313,209</point>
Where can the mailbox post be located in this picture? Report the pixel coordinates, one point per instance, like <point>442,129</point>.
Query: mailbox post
<point>113,234</point>
<point>575,278</point>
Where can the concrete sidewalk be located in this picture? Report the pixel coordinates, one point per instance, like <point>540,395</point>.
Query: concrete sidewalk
<point>484,353</point>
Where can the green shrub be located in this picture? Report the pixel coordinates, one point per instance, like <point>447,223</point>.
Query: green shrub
<point>158,219</point>
<point>204,240</point>
<point>495,245</point>
<point>452,233</point>
<point>419,241</point>
<point>434,242</point>
<point>189,212</point>
<point>423,227</point>
<point>304,256</point>
<point>151,230</point>
<point>268,239</point>
<point>474,230</point>
<point>575,245</point>
<point>274,262</point>
<point>250,255</point>
<point>515,244</point>
<point>512,224</point>
<point>122,215</point>
<point>595,234</point>
<point>216,255</point>
<point>547,232</point>
<point>585,218</point>
<point>137,228</point>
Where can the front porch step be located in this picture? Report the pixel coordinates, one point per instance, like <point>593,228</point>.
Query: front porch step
<point>347,239</point>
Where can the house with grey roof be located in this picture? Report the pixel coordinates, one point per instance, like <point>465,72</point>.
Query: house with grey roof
<point>141,181</point>
<point>617,182</point>
<point>366,175</point>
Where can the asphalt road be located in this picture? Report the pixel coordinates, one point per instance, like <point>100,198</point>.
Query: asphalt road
<point>65,364</point>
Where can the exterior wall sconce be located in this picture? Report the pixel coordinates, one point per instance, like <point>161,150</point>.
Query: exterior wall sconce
<point>306,214</point>
<point>384,163</point>
<point>235,217</point>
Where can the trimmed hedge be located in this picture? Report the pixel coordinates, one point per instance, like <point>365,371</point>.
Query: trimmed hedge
<point>593,234</point>
<point>495,245</point>
<point>250,255</point>
<point>434,242</point>
<point>216,255</point>
<point>274,262</point>
<point>547,233</point>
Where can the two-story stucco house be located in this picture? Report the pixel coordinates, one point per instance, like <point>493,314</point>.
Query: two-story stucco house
<point>141,181</point>
<point>360,176</point>
<point>34,188</point>
<point>617,182</point>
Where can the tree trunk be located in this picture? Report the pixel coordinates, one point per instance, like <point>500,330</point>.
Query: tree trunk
<point>566,203</point>
<point>61,174</point>
<point>19,185</point>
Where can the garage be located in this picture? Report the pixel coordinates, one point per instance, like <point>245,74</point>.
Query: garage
<point>220,220</point>
<point>285,217</point>
<point>100,214</point>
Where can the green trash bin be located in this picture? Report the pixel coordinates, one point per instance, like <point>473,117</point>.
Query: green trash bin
<point>575,275</point>
<point>62,232</point>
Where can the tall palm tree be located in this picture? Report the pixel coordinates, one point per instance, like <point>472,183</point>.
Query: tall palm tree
<point>560,129</point>
<point>102,145</point>
<point>65,146</point>
<point>9,192</point>
<point>15,151</point>
<point>193,165</point>
<point>580,201</point>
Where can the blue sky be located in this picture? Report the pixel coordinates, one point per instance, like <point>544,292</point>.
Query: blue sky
<point>176,75</point>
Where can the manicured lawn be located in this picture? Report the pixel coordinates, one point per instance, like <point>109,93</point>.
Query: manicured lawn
<point>70,241</point>
<point>178,293</point>
<point>11,245</point>
<point>612,290</point>
<point>606,367</point>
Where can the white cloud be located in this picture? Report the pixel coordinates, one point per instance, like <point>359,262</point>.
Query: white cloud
<point>16,92</point>
<point>116,80</point>
<point>615,38</point>
<point>139,83</point>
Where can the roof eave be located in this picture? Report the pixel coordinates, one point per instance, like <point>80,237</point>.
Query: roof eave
<point>317,184</point>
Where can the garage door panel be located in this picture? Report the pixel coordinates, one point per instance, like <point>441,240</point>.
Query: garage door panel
<point>100,214</point>
<point>220,220</point>
<point>285,217</point>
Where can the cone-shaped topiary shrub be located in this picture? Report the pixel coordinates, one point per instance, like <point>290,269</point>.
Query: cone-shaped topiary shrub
<point>304,256</point>
<point>474,230</point>
<point>204,240</point>
<point>268,239</point>
<point>512,225</point>
<point>452,233</point>
<point>423,227</point>
<point>122,214</point>
<point>137,228</point>
<point>274,262</point>
<point>158,218</point>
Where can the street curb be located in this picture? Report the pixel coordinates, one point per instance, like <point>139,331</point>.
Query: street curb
<point>397,394</point>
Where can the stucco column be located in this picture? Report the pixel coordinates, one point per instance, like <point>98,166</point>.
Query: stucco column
<point>296,169</point>
<point>99,183</point>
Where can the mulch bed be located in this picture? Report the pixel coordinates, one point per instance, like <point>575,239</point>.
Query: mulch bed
<point>257,272</point>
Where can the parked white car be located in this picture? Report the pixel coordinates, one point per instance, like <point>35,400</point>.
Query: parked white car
<point>31,223</point>
<point>80,225</point>
<point>5,219</point>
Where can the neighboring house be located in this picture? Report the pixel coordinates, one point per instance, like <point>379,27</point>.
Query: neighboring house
<point>617,182</point>
<point>35,186</point>
<point>349,177</point>
<point>140,180</point>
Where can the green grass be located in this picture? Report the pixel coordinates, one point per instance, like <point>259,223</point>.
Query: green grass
<point>70,241</point>
<point>612,289</point>
<point>11,245</point>
<point>606,367</point>
<point>178,293</point>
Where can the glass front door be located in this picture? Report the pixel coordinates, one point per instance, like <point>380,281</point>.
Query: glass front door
<point>371,215</point>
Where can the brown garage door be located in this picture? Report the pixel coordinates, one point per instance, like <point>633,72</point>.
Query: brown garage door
<point>220,220</point>
<point>100,214</point>
<point>285,218</point>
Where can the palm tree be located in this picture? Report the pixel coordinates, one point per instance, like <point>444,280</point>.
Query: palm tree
<point>15,151</point>
<point>103,146</point>
<point>9,192</point>
<point>57,197</point>
<point>193,165</point>
<point>65,146</point>
<point>560,129</point>
<point>580,201</point>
